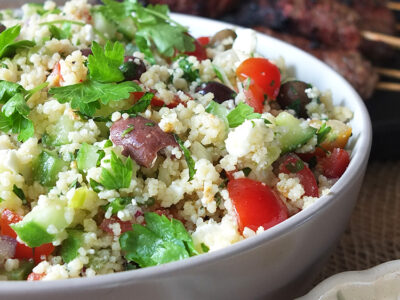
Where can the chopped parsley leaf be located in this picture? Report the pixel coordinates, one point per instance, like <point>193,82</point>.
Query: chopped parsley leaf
<point>75,184</point>
<point>188,157</point>
<point>120,174</point>
<point>204,248</point>
<point>295,167</point>
<point>96,186</point>
<point>20,194</point>
<point>15,111</point>
<point>8,45</point>
<point>246,171</point>
<point>189,73</point>
<point>218,73</point>
<point>108,143</point>
<point>322,133</point>
<point>127,130</point>
<point>85,96</point>
<point>154,27</point>
<point>162,240</point>
<point>241,113</point>
<point>118,204</point>
<point>104,64</point>
<point>141,105</point>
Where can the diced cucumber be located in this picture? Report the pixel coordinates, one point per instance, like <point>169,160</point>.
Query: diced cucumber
<point>21,273</point>
<point>46,168</point>
<point>71,245</point>
<point>64,126</point>
<point>101,24</point>
<point>87,157</point>
<point>84,198</point>
<point>199,151</point>
<point>292,132</point>
<point>127,28</point>
<point>43,224</point>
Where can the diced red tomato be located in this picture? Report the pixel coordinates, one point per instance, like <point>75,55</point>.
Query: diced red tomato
<point>21,251</point>
<point>200,51</point>
<point>254,96</point>
<point>157,102</point>
<point>307,157</point>
<point>306,177</point>
<point>9,217</point>
<point>264,73</point>
<point>56,76</point>
<point>256,204</point>
<point>41,252</point>
<point>335,164</point>
<point>125,225</point>
<point>204,40</point>
<point>35,276</point>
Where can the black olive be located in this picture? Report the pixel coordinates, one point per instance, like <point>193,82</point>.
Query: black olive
<point>86,52</point>
<point>132,68</point>
<point>292,95</point>
<point>2,28</point>
<point>221,92</point>
<point>222,35</point>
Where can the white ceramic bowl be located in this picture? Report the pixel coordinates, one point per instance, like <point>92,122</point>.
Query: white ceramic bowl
<point>277,264</point>
<point>381,282</point>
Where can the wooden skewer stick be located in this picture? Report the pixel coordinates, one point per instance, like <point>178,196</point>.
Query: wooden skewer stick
<point>380,37</point>
<point>388,86</point>
<point>393,73</point>
<point>393,5</point>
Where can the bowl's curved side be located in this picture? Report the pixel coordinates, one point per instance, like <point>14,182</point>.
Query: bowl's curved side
<point>262,265</point>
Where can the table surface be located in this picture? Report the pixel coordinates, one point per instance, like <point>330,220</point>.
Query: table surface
<point>372,236</point>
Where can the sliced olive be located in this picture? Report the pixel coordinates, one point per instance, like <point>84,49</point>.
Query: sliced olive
<point>141,139</point>
<point>2,28</point>
<point>132,68</point>
<point>221,92</point>
<point>292,95</point>
<point>222,35</point>
<point>86,52</point>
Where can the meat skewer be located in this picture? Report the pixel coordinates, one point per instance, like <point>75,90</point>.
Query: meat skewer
<point>393,5</point>
<point>376,19</point>
<point>328,22</point>
<point>389,72</point>
<point>388,86</point>
<point>380,37</point>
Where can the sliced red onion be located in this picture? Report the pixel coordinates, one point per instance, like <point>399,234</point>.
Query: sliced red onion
<point>7,247</point>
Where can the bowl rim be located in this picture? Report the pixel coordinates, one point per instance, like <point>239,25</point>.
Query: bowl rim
<point>355,169</point>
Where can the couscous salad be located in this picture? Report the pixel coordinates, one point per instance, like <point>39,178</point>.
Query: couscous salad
<point>126,143</point>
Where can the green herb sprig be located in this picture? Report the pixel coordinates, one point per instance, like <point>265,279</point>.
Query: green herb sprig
<point>8,43</point>
<point>162,240</point>
<point>188,157</point>
<point>15,110</point>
